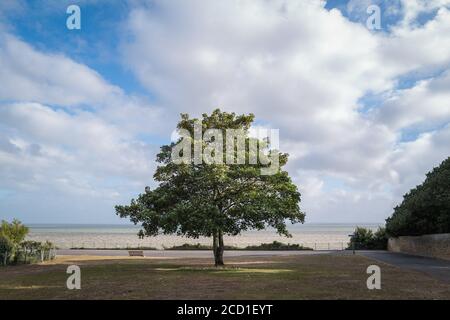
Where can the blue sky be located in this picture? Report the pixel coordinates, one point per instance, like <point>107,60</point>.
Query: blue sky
<point>94,45</point>
<point>363,113</point>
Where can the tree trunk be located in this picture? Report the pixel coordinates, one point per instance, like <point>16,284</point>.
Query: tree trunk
<point>218,248</point>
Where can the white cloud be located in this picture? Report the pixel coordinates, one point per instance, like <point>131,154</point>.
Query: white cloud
<point>420,49</point>
<point>424,106</point>
<point>45,142</point>
<point>413,8</point>
<point>30,75</point>
<point>67,154</point>
<point>412,160</point>
<point>299,68</point>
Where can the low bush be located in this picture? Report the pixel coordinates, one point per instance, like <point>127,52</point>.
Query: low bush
<point>188,246</point>
<point>263,246</point>
<point>15,250</point>
<point>277,246</point>
<point>6,250</point>
<point>366,239</point>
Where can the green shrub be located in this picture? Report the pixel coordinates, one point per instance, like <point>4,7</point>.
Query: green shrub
<point>380,239</point>
<point>365,239</point>
<point>361,238</point>
<point>15,231</point>
<point>6,250</point>
<point>15,250</point>
<point>197,246</point>
<point>188,246</point>
<point>276,245</point>
<point>426,208</point>
<point>31,251</point>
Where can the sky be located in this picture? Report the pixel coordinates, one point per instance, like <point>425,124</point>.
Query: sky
<point>363,113</point>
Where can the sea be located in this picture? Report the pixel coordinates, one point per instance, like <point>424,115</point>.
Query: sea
<point>318,236</point>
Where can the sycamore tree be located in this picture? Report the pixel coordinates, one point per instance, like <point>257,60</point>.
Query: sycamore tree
<point>214,183</point>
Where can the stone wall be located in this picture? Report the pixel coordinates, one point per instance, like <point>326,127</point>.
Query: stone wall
<point>431,245</point>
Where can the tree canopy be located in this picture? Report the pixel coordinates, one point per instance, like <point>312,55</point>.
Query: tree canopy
<point>426,208</point>
<point>215,199</point>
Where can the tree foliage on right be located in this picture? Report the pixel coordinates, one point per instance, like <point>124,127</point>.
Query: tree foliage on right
<point>426,208</point>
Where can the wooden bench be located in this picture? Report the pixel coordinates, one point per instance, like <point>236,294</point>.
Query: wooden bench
<point>136,253</point>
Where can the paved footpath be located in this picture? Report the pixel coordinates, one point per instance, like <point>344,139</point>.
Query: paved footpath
<point>436,268</point>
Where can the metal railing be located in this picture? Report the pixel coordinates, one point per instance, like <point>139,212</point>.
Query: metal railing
<point>103,245</point>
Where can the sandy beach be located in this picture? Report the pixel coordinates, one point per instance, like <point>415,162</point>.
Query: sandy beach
<point>316,236</point>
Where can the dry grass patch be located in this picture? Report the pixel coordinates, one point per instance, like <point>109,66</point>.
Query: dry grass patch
<point>277,277</point>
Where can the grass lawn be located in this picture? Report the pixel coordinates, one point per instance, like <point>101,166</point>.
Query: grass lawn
<point>292,277</point>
